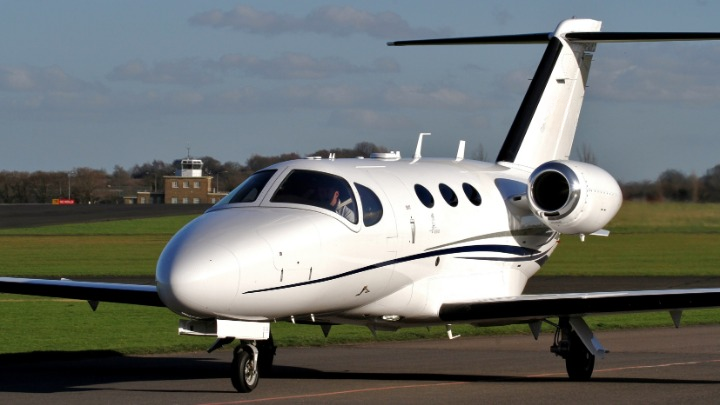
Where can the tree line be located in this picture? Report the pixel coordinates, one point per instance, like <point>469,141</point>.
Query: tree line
<point>96,186</point>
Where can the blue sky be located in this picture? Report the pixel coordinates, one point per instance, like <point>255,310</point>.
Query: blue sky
<point>104,83</point>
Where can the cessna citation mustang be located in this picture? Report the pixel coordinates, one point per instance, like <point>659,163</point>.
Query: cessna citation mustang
<point>388,243</point>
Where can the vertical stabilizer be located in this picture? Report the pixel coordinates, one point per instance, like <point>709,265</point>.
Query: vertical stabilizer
<point>544,127</point>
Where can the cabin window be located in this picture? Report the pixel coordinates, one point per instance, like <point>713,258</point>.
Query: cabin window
<point>448,195</point>
<point>318,189</point>
<point>248,190</point>
<point>371,205</point>
<point>424,196</point>
<point>472,194</point>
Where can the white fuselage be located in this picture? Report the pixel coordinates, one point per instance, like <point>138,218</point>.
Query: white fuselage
<point>269,260</point>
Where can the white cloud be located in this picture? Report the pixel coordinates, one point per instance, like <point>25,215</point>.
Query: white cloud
<point>684,73</point>
<point>246,18</point>
<point>34,79</point>
<point>16,79</point>
<point>187,71</point>
<point>422,97</point>
<point>333,20</point>
<point>293,65</point>
<point>369,119</point>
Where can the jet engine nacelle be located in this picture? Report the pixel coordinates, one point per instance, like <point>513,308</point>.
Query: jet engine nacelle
<point>573,197</point>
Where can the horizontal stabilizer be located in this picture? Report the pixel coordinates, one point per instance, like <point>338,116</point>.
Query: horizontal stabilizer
<point>539,38</point>
<point>640,36</point>
<point>544,37</point>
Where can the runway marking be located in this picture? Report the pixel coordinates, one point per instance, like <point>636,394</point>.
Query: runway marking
<point>326,394</point>
<point>400,387</point>
<point>605,370</point>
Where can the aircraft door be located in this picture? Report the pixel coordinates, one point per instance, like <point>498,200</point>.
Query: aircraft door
<point>396,202</point>
<point>399,221</point>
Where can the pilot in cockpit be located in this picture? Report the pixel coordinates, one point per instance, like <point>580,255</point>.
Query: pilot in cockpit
<point>318,189</point>
<point>331,197</point>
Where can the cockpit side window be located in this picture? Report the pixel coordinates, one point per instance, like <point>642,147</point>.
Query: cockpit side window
<point>248,190</point>
<point>319,190</point>
<point>372,207</point>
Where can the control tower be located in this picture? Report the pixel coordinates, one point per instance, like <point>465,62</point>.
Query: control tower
<point>188,186</point>
<point>190,168</point>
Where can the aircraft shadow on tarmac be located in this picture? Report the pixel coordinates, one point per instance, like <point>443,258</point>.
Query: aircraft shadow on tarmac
<point>68,371</point>
<point>289,372</point>
<point>72,371</point>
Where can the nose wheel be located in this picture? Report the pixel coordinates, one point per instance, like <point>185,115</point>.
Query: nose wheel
<point>244,369</point>
<point>250,359</point>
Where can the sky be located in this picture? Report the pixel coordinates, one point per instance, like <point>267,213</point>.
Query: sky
<point>101,84</point>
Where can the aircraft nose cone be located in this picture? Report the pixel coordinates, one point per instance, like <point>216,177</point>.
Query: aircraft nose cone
<point>195,278</point>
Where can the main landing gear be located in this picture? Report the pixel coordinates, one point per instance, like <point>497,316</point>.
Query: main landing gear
<point>575,343</point>
<point>250,360</point>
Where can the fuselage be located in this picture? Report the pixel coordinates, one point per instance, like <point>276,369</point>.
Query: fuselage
<point>412,235</point>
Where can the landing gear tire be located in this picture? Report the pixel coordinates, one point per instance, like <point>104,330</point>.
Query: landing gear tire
<point>244,371</point>
<point>579,362</point>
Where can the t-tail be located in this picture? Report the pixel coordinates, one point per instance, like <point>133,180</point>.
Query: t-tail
<point>545,124</point>
<point>544,127</point>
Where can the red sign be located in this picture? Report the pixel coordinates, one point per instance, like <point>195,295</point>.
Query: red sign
<point>63,201</point>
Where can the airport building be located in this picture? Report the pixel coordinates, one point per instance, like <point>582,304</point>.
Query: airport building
<point>187,186</point>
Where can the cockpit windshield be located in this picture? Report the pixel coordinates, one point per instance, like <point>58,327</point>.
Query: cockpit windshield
<point>249,190</point>
<point>318,189</point>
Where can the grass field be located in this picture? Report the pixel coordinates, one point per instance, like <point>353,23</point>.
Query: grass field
<point>668,239</point>
<point>646,240</point>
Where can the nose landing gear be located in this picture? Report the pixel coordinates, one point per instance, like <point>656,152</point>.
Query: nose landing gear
<point>244,370</point>
<point>250,360</point>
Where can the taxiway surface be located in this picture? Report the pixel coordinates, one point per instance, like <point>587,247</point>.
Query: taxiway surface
<point>652,366</point>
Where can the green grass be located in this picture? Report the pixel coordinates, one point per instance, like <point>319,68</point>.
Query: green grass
<point>637,254</point>
<point>646,240</point>
<point>77,256</point>
<point>639,217</point>
<point>126,248</point>
<point>147,226</point>
<point>669,239</point>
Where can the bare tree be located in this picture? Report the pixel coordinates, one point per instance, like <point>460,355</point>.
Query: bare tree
<point>586,154</point>
<point>479,153</point>
<point>674,185</point>
<point>711,185</point>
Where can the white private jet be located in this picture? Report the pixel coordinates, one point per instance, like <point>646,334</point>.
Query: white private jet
<point>388,242</point>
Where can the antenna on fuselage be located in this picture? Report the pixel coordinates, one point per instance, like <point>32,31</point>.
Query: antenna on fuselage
<point>418,148</point>
<point>461,151</point>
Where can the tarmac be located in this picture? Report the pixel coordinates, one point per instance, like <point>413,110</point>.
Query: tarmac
<point>650,366</point>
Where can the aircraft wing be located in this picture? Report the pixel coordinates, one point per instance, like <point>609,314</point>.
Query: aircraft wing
<point>83,290</point>
<point>526,308</point>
